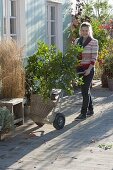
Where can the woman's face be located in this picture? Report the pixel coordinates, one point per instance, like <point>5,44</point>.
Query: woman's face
<point>75,22</point>
<point>84,31</point>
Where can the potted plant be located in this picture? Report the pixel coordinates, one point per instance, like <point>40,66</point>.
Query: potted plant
<point>109,70</point>
<point>101,67</point>
<point>106,58</point>
<point>48,68</point>
<point>105,62</point>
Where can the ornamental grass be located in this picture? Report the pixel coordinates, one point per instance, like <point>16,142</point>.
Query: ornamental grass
<point>12,73</point>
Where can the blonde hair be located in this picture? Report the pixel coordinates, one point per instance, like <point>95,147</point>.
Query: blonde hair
<point>86,24</point>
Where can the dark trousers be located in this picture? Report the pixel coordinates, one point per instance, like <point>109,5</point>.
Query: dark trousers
<point>86,94</point>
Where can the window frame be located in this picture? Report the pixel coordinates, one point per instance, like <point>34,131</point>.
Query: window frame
<point>13,18</point>
<point>20,21</point>
<point>7,17</point>
<point>58,24</point>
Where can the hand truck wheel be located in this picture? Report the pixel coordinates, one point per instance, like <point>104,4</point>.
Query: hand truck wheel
<point>59,121</point>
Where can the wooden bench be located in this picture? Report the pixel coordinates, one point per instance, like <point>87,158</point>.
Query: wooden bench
<point>16,107</point>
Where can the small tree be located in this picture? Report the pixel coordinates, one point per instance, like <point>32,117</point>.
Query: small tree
<point>99,9</point>
<point>49,68</point>
<point>99,33</point>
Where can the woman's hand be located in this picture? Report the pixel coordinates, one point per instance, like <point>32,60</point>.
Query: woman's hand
<point>87,72</point>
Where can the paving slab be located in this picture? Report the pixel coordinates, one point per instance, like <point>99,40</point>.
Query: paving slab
<point>80,145</point>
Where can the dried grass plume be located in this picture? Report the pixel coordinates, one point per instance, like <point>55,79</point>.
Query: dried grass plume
<point>12,73</point>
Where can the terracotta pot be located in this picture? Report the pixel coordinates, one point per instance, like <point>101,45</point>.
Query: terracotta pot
<point>104,80</point>
<point>110,83</point>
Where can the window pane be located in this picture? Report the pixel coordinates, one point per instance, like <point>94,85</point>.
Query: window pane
<point>52,13</point>
<point>52,28</point>
<point>4,25</point>
<point>47,12</point>
<point>53,40</point>
<point>13,8</point>
<point>4,8</point>
<point>12,25</point>
<point>47,28</point>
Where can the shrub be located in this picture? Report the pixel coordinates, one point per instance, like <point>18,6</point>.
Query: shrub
<point>48,68</point>
<point>106,59</point>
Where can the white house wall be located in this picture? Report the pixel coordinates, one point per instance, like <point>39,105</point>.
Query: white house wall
<point>35,24</point>
<point>1,19</point>
<point>66,11</point>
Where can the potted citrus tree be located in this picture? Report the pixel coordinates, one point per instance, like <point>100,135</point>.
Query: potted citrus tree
<point>48,68</point>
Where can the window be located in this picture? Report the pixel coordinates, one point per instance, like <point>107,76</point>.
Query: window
<point>51,24</point>
<point>54,24</point>
<point>13,19</point>
<point>10,18</point>
<point>12,8</point>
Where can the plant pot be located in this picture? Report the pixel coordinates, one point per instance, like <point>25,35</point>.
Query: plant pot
<point>39,108</point>
<point>110,83</point>
<point>104,80</point>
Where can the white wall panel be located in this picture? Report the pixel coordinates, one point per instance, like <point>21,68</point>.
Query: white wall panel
<point>35,24</point>
<point>1,19</point>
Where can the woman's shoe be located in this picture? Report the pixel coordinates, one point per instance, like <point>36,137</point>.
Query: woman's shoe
<point>81,117</point>
<point>90,113</point>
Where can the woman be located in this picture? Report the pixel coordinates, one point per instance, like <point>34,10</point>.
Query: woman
<point>86,67</point>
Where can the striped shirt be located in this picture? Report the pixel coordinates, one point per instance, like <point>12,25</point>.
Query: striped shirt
<point>89,54</point>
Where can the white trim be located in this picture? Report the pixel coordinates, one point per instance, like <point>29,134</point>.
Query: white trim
<point>59,28</point>
<point>7,19</point>
<point>55,1</point>
<point>21,27</point>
